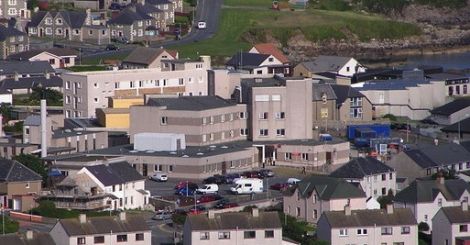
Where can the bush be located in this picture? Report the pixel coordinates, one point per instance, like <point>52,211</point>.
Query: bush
<point>423,226</point>
<point>391,117</point>
<point>178,218</point>
<point>47,208</point>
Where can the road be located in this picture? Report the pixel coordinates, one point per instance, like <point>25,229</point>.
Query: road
<point>206,10</point>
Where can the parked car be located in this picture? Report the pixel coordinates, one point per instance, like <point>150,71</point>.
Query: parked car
<point>292,181</point>
<point>184,184</point>
<point>208,198</point>
<point>247,186</point>
<point>162,215</point>
<point>123,40</point>
<point>279,186</point>
<point>197,210</point>
<point>231,177</point>
<point>252,174</point>
<point>216,179</point>
<point>266,173</point>
<point>224,203</point>
<point>160,177</point>
<point>208,189</point>
<point>110,47</point>
<point>201,25</point>
<point>185,191</point>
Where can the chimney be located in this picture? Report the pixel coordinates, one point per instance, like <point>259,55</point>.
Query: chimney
<point>436,141</point>
<point>440,178</point>
<point>122,216</point>
<point>464,206</point>
<point>389,208</point>
<point>47,75</point>
<point>211,214</point>
<point>255,212</point>
<point>82,218</point>
<point>29,235</point>
<point>16,77</point>
<point>347,210</point>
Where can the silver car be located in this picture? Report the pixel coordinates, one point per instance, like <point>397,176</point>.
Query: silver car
<point>162,215</point>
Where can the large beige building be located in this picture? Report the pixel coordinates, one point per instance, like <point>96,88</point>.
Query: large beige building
<point>84,92</point>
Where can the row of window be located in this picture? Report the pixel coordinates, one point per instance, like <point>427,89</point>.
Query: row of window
<point>458,166</point>
<point>225,235</point>
<point>288,156</point>
<point>211,119</point>
<point>277,115</point>
<point>119,238</point>
<point>19,38</point>
<point>157,83</point>
<point>280,132</point>
<point>387,230</point>
<point>457,90</point>
<point>18,48</point>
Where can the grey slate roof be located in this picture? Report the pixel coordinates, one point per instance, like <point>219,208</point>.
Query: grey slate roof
<point>463,126</point>
<point>344,92</point>
<point>360,167</point>
<point>143,55</point>
<point>6,32</point>
<point>74,19</point>
<point>128,16</point>
<point>190,103</point>
<point>31,53</point>
<point>392,84</point>
<point>24,67</point>
<point>146,9</point>
<point>466,144</point>
<point>20,239</point>
<point>104,225</point>
<point>370,218</point>
<point>37,18</point>
<point>32,120</point>
<point>328,188</point>
<point>233,221</point>
<point>115,173</point>
<point>456,214</point>
<point>443,154</point>
<point>325,63</point>
<point>12,171</point>
<point>247,59</point>
<point>426,190</point>
<point>30,82</point>
<point>320,89</point>
<point>451,107</point>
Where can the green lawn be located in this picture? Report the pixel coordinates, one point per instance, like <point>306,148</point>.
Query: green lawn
<point>259,3</point>
<point>316,25</point>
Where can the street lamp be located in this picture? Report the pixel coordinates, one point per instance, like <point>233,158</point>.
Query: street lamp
<point>464,117</point>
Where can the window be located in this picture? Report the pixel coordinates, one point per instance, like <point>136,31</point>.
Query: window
<point>386,230</point>
<point>405,230</point>
<point>11,2</point>
<point>27,185</point>
<point>439,202</point>
<point>280,132</point>
<point>249,234</point>
<point>204,235</point>
<point>384,191</point>
<point>116,85</point>
<point>52,61</point>
<point>222,118</point>
<point>263,132</point>
<point>242,115</point>
<point>271,59</point>
<point>67,99</point>
<point>425,218</point>
<point>280,115</point>
<point>315,214</point>
<point>451,90</point>
<point>170,168</point>
<point>211,120</point>
<point>121,238</point>
<point>390,176</point>
<point>139,236</point>
<point>263,115</point>
<point>244,131</point>
<point>384,177</point>
<point>428,171</point>
<point>355,112</point>
<point>211,136</point>
<point>343,232</point>
<point>398,243</point>
<point>463,228</point>
<point>223,235</point>
<point>48,21</point>
<point>465,89</point>
<point>98,239</point>
<point>305,156</point>
<point>95,100</point>
<point>269,234</point>
<point>288,156</point>
<point>163,120</point>
<point>362,232</point>
<point>81,240</point>
<point>355,102</point>
<point>181,81</point>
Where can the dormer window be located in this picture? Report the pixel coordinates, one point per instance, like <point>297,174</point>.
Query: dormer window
<point>48,21</point>
<point>58,21</point>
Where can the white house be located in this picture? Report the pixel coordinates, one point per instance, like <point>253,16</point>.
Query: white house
<point>451,226</point>
<point>126,229</point>
<point>426,197</point>
<point>255,63</point>
<point>57,57</point>
<point>342,66</point>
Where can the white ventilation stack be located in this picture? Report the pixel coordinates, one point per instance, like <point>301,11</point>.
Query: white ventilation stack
<point>43,128</point>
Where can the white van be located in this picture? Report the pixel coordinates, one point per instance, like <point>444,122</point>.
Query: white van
<point>247,186</point>
<point>208,189</point>
<point>201,25</point>
<point>160,177</point>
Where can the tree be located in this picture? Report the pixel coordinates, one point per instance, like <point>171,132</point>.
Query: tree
<point>53,97</point>
<point>34,163</point>
<point>385,200</point>
<point>423,226</point>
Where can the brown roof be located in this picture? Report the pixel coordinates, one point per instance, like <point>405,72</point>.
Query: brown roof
<point>55,51</point>
<point>269,48</point>
<point>370,217</point>
<point>104,225</point>
<point>456,214</point>
<point>143,55</point>
<point>232,221</point>
<point>173,53</point>
<point>20,239</point>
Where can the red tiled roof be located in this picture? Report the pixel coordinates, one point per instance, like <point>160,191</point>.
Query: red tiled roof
<point>269,48</point>
<point>173,53</point>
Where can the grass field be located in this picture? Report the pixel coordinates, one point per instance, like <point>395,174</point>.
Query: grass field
<point>259,3</point>
<point>316,25</point>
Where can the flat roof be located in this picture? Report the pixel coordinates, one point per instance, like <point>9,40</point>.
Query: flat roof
<point>306,142</point>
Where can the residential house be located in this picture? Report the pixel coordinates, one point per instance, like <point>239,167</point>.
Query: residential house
<point>28,238</point>
<point>373,176</point>
<point>19,184</point>
<point>84,92</point>
<point>71,164</point>
<point>25,85</point>
<point>427,160</point>
<point>69,25</point>
<point>204,120</point>
<point>10,69</point>
<point>57,57</point>
<point>451,225</point>
<point>12,41</point>
<point>317,194</point>
<point>342,66</point>
<point>135,23</point>
<point>143,57</point>
<point>114,186</point>
<point>168,8</point>
<point>271,49</point>
<point>459,131</point>
<point>451,112</point>
<point>233,228</point>
<point>426,197</point>
<point>254,63</point>
<point>126,229</point>
<point>391,226</point>
<point>17,9</point>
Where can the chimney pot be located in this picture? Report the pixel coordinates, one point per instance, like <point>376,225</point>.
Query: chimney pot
<point>389,208</point>
<point>82,218</point>
<point>122,216</point>
<point>347,210</point>
<point>29,235</point>
<point>464,206</point>
<point>255,212</point>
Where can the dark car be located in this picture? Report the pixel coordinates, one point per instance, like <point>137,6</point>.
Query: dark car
<point>197,210</point>
<point>279,186</point>
<point>400,126</point>
<point>216,179</point>
<point>184,184</point>
<point>252,174</point>
<point>208,198</point>
<point>429,121</point>
<point>110,47</point>
<point>116,6</point>
<point>185,191</point>
<point>266,173</point>
<point>230,177</point>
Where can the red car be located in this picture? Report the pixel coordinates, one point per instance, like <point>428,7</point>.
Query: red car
<point>252,174</point>
<point>279,186</point>
<point>208,198</point>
